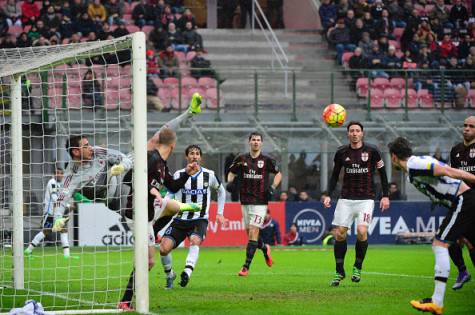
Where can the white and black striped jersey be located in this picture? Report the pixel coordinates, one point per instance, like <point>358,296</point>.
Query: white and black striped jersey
<point>197,190</point>
<point>441,190</point>
<point>51,195</point>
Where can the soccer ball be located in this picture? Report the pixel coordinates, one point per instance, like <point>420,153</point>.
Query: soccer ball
<point>334,115</point>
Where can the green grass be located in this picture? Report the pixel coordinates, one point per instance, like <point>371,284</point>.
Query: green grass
<point>298,283</point>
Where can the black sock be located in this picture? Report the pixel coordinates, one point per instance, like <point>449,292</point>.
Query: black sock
<point>262,246</point>
<point>339,250</point>
<point>129,290</point>
<point>456,255</point>
<point>250,251</point>
<point>360,248</point>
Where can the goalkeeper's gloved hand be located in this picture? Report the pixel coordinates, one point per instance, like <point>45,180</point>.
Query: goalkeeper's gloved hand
<point>117,169</point>
<point>59,224</point>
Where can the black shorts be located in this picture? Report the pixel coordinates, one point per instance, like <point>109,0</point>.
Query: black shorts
<point>48,222</point>
<point>181,229</point>
<point>460,220</point>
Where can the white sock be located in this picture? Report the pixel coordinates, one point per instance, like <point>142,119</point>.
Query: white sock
<point>442,270</point>
<point>65,243</point>
<point>191,259</point>
<point>167,264</point>
<point>37,240</point>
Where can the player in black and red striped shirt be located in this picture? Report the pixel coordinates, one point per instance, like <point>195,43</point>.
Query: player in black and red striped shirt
<point>359,161</point>
<point>253,170</point>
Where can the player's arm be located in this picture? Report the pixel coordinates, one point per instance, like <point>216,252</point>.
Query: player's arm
<point>337,165</point>
<point>175,184</point>
<point>221,200</point>
<point>384,202</point>
<point>233,171</point>
<point>121,162</point>
<point>445,170</point>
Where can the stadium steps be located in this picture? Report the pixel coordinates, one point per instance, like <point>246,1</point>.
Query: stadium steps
<point>238,54</point>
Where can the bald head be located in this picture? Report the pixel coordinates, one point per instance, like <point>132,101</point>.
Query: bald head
<point>469,130</point>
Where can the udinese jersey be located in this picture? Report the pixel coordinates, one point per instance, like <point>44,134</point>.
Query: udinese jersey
<point>159,177</point>
<point>253,175</point>
<point>441,190</point>
<point>51,196</point>
<point>359,167</point>
<point>197,190</point>
<point>90,177</point>
<point>463,158</point>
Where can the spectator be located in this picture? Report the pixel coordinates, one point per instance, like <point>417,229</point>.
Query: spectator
<point>447,47</point>
<point>357,64</point>
<point>229,11</point>
<point>340,37</point>
<point>385,25</point>
<point>377,10</point>
<point>383,43</point>
<point>375,61</point>
<point>13,12</point>
<point>9,41</point>
<point>158,37</point>
<point>185,18</point>
<point>192,38</point>
<point>369,24</point>
<point>391,61</point>
<point>275,13</point>
<point>176,38</point>
<point>394,192</point>
<point>114,11</point>
<point>328,14</point>
<point>50,18</point>
<point>104,32</point>
<point>66,27</point>
<point>168,63</point>
<point>153,101</point>
<point>292,193</point>
<point>411,29</point>
<point>350,19</point>
<point>40,41</point>
<point>201,67</point>
<point>360,7</point>
<point>65,9</point>
<point>30,12</point>
<point>245,7</point>
<point>97,12</point>
<point>283,196</point>
<point>166,18</point>
<point>3,24</point>
<point>23,40</point>
<point>33,33</point>
<point>270,231</point>
<point>85,25</point>
<point>342,8</point>
<point>153,70</point>
<point>143,14</point>
<point>120,31</point>
<point>424,31</point>
<point>458,15</point>
<point>78,8</point>
<point>442,13</point>
<point>396,12</point>
<point>323,195</point>
<point>304,197</point>
<point>366,44</point>
<point>91,91</point>
<point>356,31</point>
<point>292,237</point>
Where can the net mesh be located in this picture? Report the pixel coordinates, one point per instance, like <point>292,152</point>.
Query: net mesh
<point>78,89</point>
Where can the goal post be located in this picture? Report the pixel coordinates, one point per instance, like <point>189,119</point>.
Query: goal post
<point>47,94</point>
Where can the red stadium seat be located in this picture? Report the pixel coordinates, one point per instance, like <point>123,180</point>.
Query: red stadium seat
<point>147,29</point>
<point>15,30</point>
<point>113,70</point>
<point>470,99</point>
<point>74,99</point>
<point>133,28</point>
<point>397,32</point>
<point>181,56</point>
<point>170,82</point>
<point>395,43</point>
<point>380,83</point>
<point>392,98</point>
<point>158,82</point>
<point>411,98</point>
<point>346,58</point>
<point>111,99</point>
<point>377,98</point>
<point>164,95</point>
<point>212,101</point>
<point>190,55</point>
<point>397,83</point>
<point>425,99</point>
<point>188,83</point>
<point>206,82</point>
<point>362,87</point>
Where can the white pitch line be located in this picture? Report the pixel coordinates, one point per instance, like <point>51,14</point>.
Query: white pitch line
<point>61,296</point>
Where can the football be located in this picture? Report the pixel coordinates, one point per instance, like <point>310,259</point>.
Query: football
<point>334,115</point>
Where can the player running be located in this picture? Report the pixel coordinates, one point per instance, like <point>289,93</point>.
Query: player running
<point>192,225</point>
<point>445,186</point>
<point>253,171</point>
<point>462,156</point>
<point>360,160</point>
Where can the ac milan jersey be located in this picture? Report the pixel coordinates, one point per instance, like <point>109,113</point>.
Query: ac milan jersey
<point>359,166</point>
<point>253,174</point>
<point>463,158</point>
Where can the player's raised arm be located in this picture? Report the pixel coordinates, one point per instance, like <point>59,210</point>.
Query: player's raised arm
<point>440,169</point>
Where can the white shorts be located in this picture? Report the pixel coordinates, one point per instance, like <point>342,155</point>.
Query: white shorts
<point>348,210</point>
<point>158,212</point>
<point>254,215</point>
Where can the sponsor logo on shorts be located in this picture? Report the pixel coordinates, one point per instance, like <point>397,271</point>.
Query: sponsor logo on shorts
<point>310,223</point>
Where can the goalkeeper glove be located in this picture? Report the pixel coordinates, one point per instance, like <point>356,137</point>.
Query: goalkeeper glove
<point>80,198</point>
<point>59,224</point>
<point>117,169</point>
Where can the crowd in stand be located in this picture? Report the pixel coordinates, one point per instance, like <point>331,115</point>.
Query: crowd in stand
<point>388,36</point>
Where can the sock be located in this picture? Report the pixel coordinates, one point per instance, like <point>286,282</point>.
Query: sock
<point>174,124</point>
<point>262,246</point>
<point>191,259</point>
<point>339,250</point>
<point>456,255</point>
<point>360,249</point>
<point>167,264</point>
<point>65,243</point>
<point>37,239</point>
<point>442,270</point>
<point>250,251</point>
<point>129,290</point>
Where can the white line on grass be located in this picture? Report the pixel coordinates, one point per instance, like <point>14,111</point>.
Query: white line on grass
<point>61,296</point>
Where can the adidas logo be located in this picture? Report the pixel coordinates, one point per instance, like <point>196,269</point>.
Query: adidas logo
<point>458,155</point>
<point>347,159</point>
<point>119,235</point>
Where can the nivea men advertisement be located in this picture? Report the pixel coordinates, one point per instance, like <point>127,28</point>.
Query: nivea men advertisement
<point>313,220</point>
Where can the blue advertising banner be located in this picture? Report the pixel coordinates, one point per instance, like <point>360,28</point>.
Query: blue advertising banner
<point>313,220</point>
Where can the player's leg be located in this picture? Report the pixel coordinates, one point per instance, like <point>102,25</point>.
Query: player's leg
<point>254,218</point>
<point>342,220</point>
<point>48,221</point>
<point>365,215</point>
<point>173,236</point>
<point>455,252</point>
<point>172,207</point>
<point>265,248</point>
<point>196,236</point>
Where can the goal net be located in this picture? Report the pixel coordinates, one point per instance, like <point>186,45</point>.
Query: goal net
<point>94,90</point>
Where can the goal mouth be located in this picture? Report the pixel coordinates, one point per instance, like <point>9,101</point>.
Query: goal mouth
<point>48,94</point>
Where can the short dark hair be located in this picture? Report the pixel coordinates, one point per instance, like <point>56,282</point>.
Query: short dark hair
<point>166,136</point>
<point>191,147</point>
<point>400,147</point>
<point>353,122</point>
<point>392,183</point>
<point>73,143</point>
<point>256,133</point>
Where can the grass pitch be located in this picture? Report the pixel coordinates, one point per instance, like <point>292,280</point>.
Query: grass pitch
<point>298,283</point>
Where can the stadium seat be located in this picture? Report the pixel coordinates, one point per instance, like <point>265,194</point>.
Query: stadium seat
<point>188,83</point>
<point>346,58</point>
<point>15,30</point>
<point>425,99</point>
<point>147,29</point>
<point>206,82</point>
<point>111,99</point>
<point>111,83</point>
<point>470,99</point>
<point>419,8</point>
<point>428,8</point>
<point>380,83</point>
<point>181,56</point>
<point>127,18</point>
<point>190,55</point>
<point>158,82</point>
<point>411,98</point>
<point>170,82</point>
<point>212,98</point>
<point>113,70</point>
<point>133,28</point>
<point>392,98</point>
<point>74,99</point>
<point>397,32</point>
<point>55,96</point>
<point>125,98</point>
<point>395,43</point>
<point>164,95</point>
<point>362,87</point>
<point>377,98</point>
<point>397,83</point>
